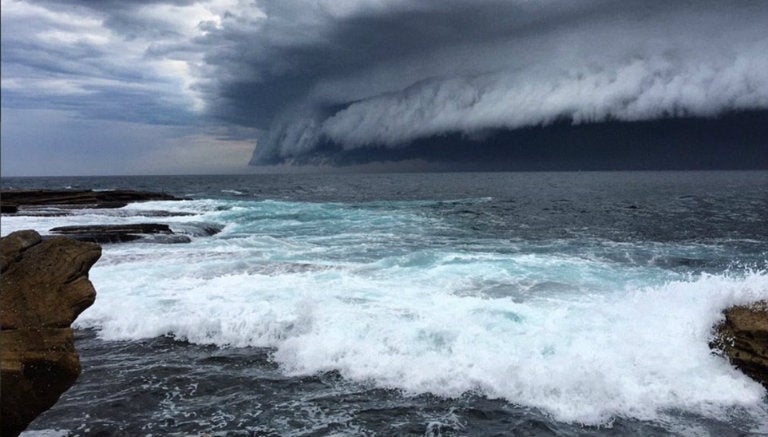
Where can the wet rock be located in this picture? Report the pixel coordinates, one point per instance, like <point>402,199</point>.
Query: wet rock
<point>44,287</point>
<point>743,338</point>
<point>137,228</point>
<point>156,213</point>
<point>198,229</point>
<point>121,233</point>
<point>212,229</point>
<point>77,198</point>
<point>8,208</point>
<point>106,238</point>
<point>165,239</point>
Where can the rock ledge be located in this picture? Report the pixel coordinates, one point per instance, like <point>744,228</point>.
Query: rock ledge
<point>44,287</point>
<point>13,201</point>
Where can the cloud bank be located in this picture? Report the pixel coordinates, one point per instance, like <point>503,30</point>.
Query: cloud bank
<point>349,76</point>
<point>372,74</point>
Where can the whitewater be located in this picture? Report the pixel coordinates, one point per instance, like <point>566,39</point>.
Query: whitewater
<point>585,300</point>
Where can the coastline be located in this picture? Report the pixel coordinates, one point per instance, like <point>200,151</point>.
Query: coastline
<point>285,278</point>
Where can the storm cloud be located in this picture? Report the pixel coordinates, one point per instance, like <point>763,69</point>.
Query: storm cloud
<point>371,78</point>
<point>383,74</point>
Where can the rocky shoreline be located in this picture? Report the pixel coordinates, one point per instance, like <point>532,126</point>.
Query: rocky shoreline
<point>17,201</point>
<point>44,287</point>
<point>63,202</point>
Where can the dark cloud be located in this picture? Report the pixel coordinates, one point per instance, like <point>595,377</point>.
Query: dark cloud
<point>340,81</point>
<point>383,75</point>
<point>732,141</point>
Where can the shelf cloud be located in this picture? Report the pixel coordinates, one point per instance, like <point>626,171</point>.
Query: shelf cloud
<point>320,77</point>
<point>383,74</point>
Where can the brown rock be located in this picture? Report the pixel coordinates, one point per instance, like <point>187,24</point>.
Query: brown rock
<point>44,287</point>
<point>14,244</point>
<point>743,338</point>
<point>47,286</point>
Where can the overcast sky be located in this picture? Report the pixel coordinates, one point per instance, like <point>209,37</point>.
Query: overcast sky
<point>185,86</point>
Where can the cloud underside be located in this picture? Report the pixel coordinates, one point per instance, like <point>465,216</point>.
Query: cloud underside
<point>730,141</point>
<point>371,84</point>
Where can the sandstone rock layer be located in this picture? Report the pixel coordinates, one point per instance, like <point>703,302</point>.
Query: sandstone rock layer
<point>743,338</point>
<point>44,287</point>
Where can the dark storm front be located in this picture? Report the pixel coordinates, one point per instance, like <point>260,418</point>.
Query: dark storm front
<point>422,304</point>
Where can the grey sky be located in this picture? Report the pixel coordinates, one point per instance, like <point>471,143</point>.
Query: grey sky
<point>184,86</point>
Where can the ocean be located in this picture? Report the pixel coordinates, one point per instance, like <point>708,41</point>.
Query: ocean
<point>457,304</point>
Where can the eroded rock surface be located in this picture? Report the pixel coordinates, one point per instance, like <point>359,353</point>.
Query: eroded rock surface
<point>44,287</point>
<point>743,338</point>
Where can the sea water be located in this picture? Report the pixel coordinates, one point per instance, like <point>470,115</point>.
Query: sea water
<point>420,304</point>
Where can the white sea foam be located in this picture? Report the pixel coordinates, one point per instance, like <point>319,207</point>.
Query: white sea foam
<point>583,357</point>
<point>129,214</point>
<point>235,192</point>
<point>46,433</point>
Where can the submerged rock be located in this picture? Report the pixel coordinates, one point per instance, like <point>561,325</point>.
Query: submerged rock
<point>743,338</point>
<point>44,287</point>
<point>198,229</point>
